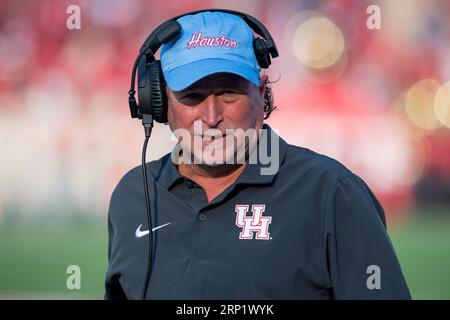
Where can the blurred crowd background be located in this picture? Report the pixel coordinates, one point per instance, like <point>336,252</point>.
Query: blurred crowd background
<point>378,100</point>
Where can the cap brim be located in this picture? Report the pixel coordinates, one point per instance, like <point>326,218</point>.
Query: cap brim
<point>182,77</point>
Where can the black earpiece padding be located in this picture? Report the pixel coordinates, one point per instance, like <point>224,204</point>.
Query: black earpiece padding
<point>158,92</point>
<point>261,53</point>
<point>152,90</point>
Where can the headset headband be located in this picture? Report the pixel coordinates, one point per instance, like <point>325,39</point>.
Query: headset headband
<point>169,29</point>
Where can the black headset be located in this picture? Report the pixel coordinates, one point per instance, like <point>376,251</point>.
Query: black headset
<point>152,90</point>
<point>151,84</point>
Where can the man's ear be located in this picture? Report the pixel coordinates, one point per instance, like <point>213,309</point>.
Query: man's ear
<point>262,84</point>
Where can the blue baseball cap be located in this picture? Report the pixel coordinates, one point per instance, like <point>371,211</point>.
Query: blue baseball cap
<point>210,42</point>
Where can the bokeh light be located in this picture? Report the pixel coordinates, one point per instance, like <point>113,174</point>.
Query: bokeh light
<point>419,102</point>
<point>441,104</point>
<point>317,41</point>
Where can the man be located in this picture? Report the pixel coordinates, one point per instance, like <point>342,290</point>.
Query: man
<point>225,228</point>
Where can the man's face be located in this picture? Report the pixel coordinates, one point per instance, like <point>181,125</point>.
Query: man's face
<point>209,109</point>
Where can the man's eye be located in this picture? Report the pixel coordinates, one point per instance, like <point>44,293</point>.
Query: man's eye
<point>229,95</point>
<point>228,92</point>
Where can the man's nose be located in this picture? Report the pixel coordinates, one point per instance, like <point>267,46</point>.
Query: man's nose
<point>212,111</point>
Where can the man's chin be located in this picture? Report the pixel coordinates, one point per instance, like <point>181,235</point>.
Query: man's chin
<point>207,160</point>
<point>216,167</point>
<point>211,162</point>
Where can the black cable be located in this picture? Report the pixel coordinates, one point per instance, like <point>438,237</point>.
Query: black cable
<point>147,122</point>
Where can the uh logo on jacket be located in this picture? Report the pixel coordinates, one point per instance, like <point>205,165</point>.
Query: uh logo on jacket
<point>255,225</point>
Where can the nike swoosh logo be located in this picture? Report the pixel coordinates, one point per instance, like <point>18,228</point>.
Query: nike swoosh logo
<point>139,233</point>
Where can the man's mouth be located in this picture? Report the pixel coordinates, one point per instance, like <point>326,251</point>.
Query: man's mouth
<point>212,138</point>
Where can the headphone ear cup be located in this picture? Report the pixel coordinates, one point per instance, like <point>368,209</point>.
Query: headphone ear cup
<point>144,88</point>
<point>158,95</point>
<point>152,90</point>
<point>261,53</point>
